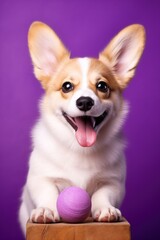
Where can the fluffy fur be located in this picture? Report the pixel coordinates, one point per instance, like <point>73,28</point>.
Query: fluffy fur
<point>77,140</point>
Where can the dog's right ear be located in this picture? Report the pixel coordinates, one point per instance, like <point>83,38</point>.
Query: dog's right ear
<point>46,51</point>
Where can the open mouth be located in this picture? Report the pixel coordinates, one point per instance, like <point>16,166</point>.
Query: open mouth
<point>86,127</point>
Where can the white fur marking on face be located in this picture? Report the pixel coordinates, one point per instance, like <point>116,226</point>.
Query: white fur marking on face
<point>85,91</point>
<point>84,65</point>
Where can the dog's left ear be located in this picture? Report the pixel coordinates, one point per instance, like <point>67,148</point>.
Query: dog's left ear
<point>46,50</point>
<point>123,53</point>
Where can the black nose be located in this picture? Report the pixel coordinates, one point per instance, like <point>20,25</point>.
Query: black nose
<point>85,103</point>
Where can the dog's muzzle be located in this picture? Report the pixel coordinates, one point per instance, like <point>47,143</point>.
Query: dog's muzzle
<point>86,126</point>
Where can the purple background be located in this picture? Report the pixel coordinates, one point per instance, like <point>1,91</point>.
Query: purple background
<point>85,27</point>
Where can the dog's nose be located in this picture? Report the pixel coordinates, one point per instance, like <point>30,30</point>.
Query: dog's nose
<point>85,103</point>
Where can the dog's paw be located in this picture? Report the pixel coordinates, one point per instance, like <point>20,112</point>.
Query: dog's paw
<point>107,214</point>
<point>44,215</point>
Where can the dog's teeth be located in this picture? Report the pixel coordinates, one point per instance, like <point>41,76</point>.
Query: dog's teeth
<point>93,122</point>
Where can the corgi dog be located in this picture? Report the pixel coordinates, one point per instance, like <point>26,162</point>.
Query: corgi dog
<point>78,140</point>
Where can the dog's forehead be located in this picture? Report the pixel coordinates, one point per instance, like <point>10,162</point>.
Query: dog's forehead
<point>87,70</point>
<point>78,67</point>
<point>84,73</point>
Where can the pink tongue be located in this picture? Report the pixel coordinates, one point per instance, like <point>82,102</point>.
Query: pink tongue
<point>85,134</point>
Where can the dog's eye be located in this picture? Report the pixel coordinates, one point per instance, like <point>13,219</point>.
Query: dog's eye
<point>67,87</point>
<point>103,87</point>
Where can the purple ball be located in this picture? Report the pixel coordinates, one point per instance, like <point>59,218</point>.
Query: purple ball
<point>74,205</point>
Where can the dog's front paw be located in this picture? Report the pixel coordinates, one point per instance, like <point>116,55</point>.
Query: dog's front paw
<point>44,215</point>
<point>107,214</point>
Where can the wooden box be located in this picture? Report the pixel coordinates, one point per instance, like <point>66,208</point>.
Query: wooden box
<point>81,231</point>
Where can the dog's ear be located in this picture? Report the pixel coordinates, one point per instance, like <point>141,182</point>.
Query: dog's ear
<point>46,50</point>
<point>123,53</point>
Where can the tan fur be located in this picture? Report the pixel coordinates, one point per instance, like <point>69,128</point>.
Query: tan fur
<point>129,44</point>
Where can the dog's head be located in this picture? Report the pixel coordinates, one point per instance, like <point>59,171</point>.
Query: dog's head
<point>85,93</point>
